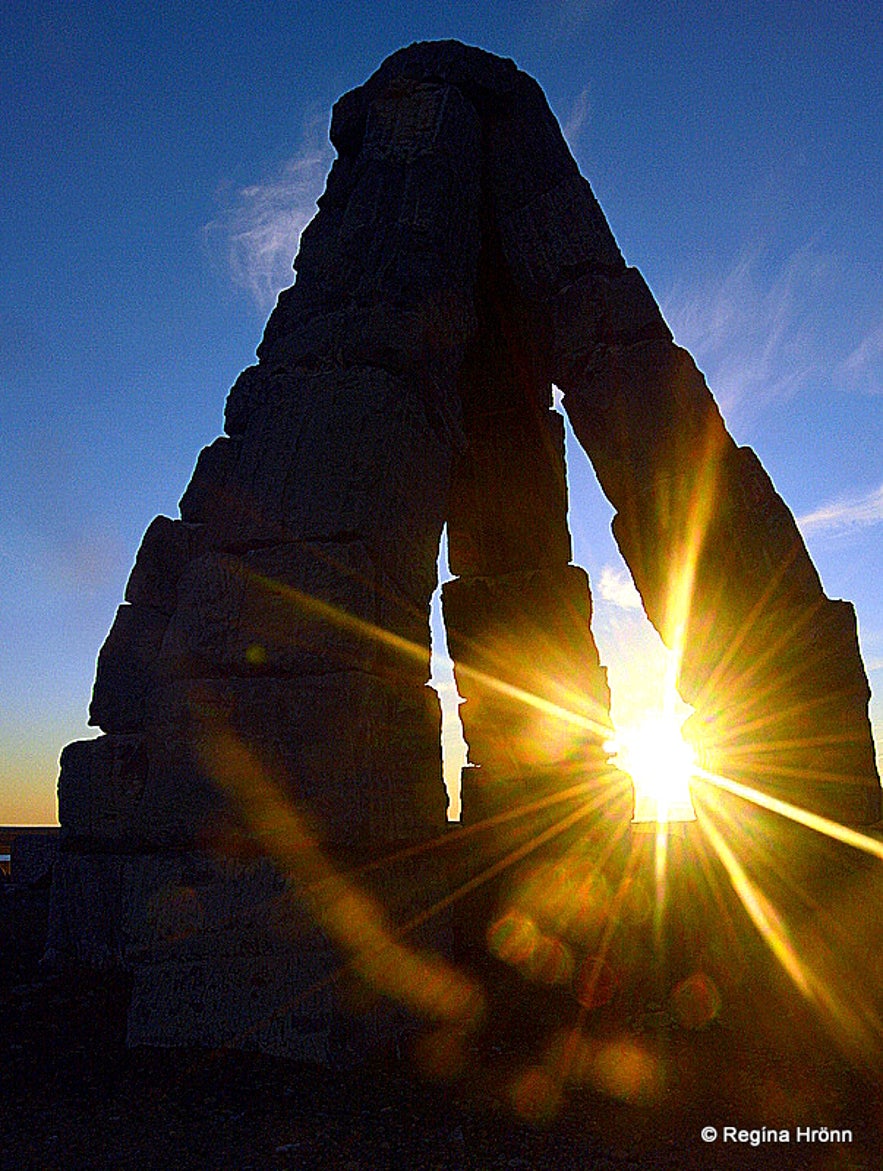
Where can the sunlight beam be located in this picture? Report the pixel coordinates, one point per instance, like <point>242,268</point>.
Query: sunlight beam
<point>813,821</point>
<point>825,989</point>
<point>761,912</point>
<point>408,649</point>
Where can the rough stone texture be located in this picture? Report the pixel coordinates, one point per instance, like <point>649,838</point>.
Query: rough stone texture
<point>536,694</point>
<point>357,755</point>
<point>100,786</point>
<point>367,435</point>
<point>225,953</point>
<point>166,548</point>
<point>300,609</point>
<point>32,857</point>
<point>274,640</point>
<point>127,672</point>
<point>201,1002</point>
<point>183,907</point>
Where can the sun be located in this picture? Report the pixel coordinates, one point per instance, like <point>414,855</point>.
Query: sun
<point>660,762</point>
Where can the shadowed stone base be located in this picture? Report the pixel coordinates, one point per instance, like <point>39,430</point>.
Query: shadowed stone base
<point>227,953</point>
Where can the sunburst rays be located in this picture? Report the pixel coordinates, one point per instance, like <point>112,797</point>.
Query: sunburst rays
<point>568,934</point>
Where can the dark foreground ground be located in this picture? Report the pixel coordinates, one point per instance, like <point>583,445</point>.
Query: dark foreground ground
<point>73,1096</point>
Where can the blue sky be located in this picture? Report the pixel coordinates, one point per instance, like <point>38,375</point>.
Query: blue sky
<point>159,161</point>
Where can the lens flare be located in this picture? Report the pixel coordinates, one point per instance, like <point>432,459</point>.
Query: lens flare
<point>595,983</point>
<point>580,896</point>
<point>696,1001</point>
<point>660,762</point>
<point>626,1071</point>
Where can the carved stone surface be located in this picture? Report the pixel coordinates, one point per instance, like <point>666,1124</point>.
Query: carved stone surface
<point>275,638</point>
<point>32,857</point>
<point>101,785</point>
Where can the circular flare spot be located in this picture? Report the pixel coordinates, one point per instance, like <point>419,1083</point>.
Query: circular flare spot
<point>625,1071</point>
<point>256,655</point>
<point>513,938</point>
<point>595,983</point>
<point>551,962</point>
<point>696,1001</point>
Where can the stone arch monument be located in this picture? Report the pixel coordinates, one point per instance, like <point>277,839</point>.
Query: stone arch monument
<point>458,267</point>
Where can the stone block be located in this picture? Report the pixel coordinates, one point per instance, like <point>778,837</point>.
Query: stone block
<point>373,444</point>
<point>358,758</point>
<point>536,696</point>
<point>187,907</point>
<point>236,954</point>
<point>294,609</point>
<point>193,906</point>
<point>181,805</point>
<point>782,705</point>
<point>155,913</point>
<point>524,170</point>
<point>648,423</point>
<point>765,535</point>
<point>250,391</point>
<point>396,244</point>
<point>599,309</point>
<point>211,490</point>
<point>166,548</point>
<point>559,236</point>
<point>127,669</point>
<point>100,785</point>
<point>507,510</point>
<point>426,339</point>
<point>85,923</point>
<point>475,73</point>
<point>280,1005</point>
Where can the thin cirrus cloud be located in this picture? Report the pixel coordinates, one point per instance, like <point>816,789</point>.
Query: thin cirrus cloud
<point>867,355</point>
<point>753,330</point>
<point>616,587</point>
<point>845,513</point>
<point>259,226</point>
<point>576,120</point>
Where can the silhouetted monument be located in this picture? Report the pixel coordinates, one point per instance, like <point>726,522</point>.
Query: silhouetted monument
<point>458,267</point>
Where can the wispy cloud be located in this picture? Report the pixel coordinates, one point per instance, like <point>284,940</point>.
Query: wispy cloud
<point>259,226</point>
<point>576,120</point>
<point>845,513</point>
<point>615,586</point>
<point>868,353</point>
<point>567,18</point>
<point>751,329</point>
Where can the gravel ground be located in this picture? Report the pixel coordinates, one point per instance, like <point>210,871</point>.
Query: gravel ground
<point>74,1096</point>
